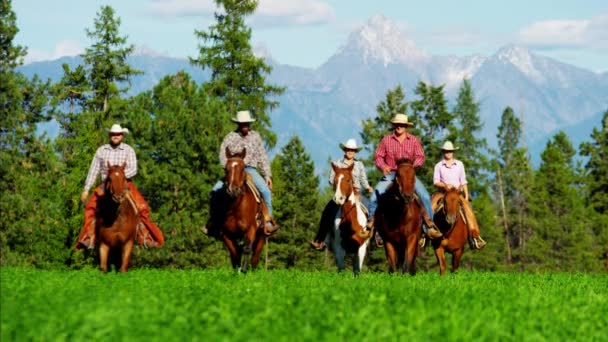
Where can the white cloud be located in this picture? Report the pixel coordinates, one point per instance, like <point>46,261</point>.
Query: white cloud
<point>61,49</point>
<point>554,34</point>
<point>268,13</point>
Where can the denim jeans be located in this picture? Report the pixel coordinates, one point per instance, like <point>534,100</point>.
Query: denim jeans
<point>383,184</point>
<point>259,182</point>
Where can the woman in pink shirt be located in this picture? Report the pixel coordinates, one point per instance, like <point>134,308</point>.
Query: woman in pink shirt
<point>449,173</point>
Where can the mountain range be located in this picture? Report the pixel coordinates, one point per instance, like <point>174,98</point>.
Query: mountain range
<point>326,105</point>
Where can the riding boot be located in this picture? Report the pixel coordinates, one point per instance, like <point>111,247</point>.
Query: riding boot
<point>87,234</point>
<point>432,232</point>
<point>149,235</point>
<point>476,241</point>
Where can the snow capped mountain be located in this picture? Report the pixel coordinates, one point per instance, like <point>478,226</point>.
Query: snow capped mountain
<point>521,58</point>
<point>381,40</point>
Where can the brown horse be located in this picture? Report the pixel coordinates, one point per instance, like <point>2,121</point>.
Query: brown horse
<point>116,220</point>
<point>244,220</point>
<point>398,219</point>
<point>349,234</point>
<point>450,221</point>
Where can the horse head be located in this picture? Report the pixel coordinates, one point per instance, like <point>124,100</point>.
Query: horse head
<point>406,179</point>
<point>343,183</point>
<point>116,181</point>
<point>235,172</point>
<point>451,205</point>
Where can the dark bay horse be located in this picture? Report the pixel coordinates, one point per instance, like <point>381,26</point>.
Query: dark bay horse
<point>349,234</point>
<point>242,230</point>
<point>116,220</point>
<point>398,219</point>
<point>449,218</point>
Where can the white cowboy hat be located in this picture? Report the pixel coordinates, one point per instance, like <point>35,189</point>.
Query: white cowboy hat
<point>401,119</point>
<point>243,116</point>
<point>117,129</point>
<point>350,144</point>
<point>448,146</point>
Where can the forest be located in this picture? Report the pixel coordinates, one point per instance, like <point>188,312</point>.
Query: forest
<point>553,217</point>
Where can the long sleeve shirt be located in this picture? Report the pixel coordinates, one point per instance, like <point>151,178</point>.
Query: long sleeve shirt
<point>452,175</point>
<point>255,153</point>
<point>390,150</point>
<point>359,174</point>
<point>115,156</point>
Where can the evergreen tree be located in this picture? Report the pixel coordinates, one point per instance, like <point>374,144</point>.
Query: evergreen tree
<point>297,209</point>
<point>238,77</point>
<point>561,238</point>
<point>31,232</point>
<point>374,129</point>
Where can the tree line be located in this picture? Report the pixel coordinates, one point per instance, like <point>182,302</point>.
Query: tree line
<point>553,217</point>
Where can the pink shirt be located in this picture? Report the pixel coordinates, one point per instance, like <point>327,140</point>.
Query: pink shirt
<point>452,175</point>
<point>391,149</point>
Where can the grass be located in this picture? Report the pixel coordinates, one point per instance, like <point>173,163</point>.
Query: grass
<point>214,305</point>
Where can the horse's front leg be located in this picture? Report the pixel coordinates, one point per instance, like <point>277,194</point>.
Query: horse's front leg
<point>248,246</point>
<point>339,251</point>
<point>456,259</point>
<point>258,246</point>
<point>440,255</point>
<point>127,250</point>
<point>360,257</point>
<point>104,251</point>
<point>233,249</point>
<point>391,256</point>
<point>410,254</point>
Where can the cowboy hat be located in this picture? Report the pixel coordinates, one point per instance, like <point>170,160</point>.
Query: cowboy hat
<point>243,116</point>
<point>350,144</point>
<point>117,129</point>
<point>401,119</point>
<point>448,146</point>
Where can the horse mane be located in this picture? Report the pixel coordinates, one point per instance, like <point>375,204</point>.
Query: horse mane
<point>404,161</point>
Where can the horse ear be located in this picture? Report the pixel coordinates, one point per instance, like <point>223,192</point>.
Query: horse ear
<point>108,163</point>
<point>351,167</point>
<point>333,166</point>
<point>228,153</point>
<point>124,165</point>
<point>243,153</point>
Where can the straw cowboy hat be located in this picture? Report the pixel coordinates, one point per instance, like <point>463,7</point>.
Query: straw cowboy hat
<point>350,144</point>
<point>117,129</point>
<point>243,116</point>
<point>448,146</point>
<point>401,119</point>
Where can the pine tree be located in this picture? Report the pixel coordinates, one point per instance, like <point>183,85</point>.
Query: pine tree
<point>238,77</point>
<point>296,206</point>
<point>31,231</point>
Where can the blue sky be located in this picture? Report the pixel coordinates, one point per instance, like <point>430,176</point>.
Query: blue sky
<point>307,32</point>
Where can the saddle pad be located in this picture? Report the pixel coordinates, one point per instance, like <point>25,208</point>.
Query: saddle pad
<point>254,189</point>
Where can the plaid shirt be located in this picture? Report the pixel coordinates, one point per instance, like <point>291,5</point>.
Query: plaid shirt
<point>255,153</point>
<point>359,174</point>
<point>391,149</point>
<point>115,156</point>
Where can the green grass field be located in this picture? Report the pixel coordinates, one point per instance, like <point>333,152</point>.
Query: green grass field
<point>287,305</point>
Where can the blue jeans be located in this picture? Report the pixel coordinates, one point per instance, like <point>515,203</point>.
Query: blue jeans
<point>383,184</point>
<point>259,182</point>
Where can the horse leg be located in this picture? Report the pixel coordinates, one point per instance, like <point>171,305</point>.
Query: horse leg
<point>440,254</point>
<point>104,251</point>
<point>359,258</point>
<point>233,249</point>
<point>127,250</point>
<point>339,251</point>
<point>248,247</point>
<point>391,256</point>
<point>257,250</point>
<point>410,254</point>
<point>456,259</point>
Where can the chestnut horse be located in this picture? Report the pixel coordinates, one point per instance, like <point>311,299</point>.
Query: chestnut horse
<point>242,230</point>
<point>116,220</point>
<point>350,234</point>
<point>449,218</point>
<point>398,219</point>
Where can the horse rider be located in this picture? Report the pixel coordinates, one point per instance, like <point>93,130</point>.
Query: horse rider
<point>257,165</point>
<point>350,148</point>
<point>449,173</point>
<point>116,153</point>
<point>397,145</point>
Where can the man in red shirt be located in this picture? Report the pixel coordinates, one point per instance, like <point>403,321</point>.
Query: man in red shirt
<point>397,145</point>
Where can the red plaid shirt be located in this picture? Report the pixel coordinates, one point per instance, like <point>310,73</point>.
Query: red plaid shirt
<point>390,150</point>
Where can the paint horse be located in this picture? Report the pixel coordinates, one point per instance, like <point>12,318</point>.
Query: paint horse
<point>349,234</point>
<point>116,221</point>
<point>449,218</point>
<point>242,230</point>
<point>398,219</point>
